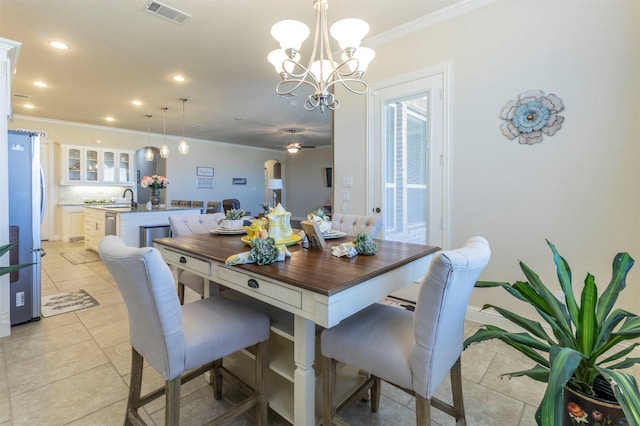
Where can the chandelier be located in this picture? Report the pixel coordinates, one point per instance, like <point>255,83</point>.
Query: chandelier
<point>164,150</point>
<point>183,146</point>
<point>148,154</point>
<point>321,73</point>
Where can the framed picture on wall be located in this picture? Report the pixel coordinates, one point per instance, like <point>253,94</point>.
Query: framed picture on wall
<point>204,171</point>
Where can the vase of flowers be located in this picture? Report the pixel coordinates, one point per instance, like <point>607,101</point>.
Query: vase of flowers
<point>155,183</point>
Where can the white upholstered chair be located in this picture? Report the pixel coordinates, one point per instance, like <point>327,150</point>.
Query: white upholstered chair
<point>353,224</point>
<point>413,351</point>
<point>188,224</point>
<point>174,339</point>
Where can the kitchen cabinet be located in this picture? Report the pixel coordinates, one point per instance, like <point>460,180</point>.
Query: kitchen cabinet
<point>94,227</point>
<point>72,223</point>
<point>82,165</point>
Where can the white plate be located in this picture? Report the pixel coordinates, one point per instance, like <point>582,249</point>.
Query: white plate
<point>224,231</point>
<point>333,234</point>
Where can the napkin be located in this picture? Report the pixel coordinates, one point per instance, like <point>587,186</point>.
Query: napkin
<point>244,257</point>
<point>344,249</point>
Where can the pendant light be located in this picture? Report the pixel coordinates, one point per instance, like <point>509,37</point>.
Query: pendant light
<point>183,146</point>
<point>148,155</point>
<point>164,150</point>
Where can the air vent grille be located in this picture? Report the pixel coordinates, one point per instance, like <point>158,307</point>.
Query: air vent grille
<point>167,12</point>
<point>21,95</point>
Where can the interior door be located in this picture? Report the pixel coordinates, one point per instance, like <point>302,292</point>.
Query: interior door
<point>408,161</point>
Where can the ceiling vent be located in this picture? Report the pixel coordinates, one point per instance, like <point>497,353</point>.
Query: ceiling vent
<point>21,95</point>
<point>167,12</point>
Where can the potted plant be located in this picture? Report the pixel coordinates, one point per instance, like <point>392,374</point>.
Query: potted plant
<point>581,348</point>
<point>233,219</point>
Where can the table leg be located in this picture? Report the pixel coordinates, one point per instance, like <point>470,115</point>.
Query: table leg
<point>304,399</point>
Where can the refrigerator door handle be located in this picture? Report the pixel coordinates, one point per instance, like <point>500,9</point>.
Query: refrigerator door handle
<point>43,194</point>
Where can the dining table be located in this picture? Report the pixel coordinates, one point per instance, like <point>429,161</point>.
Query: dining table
<point>310,290</point>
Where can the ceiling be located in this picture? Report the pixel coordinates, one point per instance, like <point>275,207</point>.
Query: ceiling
<point>120,53</point>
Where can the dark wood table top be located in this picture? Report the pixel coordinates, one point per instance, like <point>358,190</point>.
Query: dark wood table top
<point>315,270</point>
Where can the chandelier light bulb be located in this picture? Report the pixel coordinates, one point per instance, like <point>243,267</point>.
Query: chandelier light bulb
<point>349,32</point>
<point>290,34</point>
<point>364,56</point>
<point>292,149</point>
<point>277,58</point>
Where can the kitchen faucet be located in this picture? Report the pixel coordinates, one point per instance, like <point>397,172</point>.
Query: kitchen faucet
<point>124,195</point>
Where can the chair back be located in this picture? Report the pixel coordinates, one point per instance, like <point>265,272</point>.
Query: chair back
<point>229,204</point>
<point>187,224</point>
<point>213,207</point>
<point>353,224</point>
<point>440,312</point>
<point>155,316</point>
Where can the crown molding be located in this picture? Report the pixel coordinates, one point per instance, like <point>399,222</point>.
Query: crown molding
<point>445,14</point>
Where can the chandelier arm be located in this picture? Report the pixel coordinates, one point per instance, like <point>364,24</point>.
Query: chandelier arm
<point>299,82</point>
<point>346,84</point>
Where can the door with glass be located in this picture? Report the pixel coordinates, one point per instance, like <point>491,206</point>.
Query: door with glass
<point>408,159</point>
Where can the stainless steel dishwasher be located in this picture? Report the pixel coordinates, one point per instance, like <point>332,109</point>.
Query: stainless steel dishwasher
<point>109,223</point>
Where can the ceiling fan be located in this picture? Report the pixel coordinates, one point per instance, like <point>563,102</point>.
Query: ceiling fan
<point>294,147</point>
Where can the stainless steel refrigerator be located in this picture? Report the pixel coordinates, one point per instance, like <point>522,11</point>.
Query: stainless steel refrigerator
<point>26,206</point>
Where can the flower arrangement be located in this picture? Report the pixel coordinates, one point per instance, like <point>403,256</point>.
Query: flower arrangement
<point>234,214</point>
<point>265,207</point>
<point>155,181</point>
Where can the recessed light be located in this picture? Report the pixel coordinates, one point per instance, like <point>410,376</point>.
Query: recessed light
<point>59,45</point>
<point>28,106</point>
<point>178,78</point>
<point>40,83</point>
<point>110,119</point>
<point>136,103</point>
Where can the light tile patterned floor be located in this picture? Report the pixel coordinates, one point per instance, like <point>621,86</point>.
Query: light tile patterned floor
<point>73,369</point>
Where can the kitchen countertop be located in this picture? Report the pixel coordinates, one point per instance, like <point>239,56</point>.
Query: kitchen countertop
<point>140,209</point>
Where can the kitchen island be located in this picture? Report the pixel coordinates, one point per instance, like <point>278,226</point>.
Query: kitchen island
<point>125,222</point>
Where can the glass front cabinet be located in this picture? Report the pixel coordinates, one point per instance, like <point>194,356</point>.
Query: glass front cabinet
<point>95,166</point>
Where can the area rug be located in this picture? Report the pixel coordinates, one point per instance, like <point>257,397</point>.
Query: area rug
<point>81,256</point>
<point>62,303</point>
<point>399,303</point>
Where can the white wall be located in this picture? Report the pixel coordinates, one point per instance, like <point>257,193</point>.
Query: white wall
<point>305,182</point>
<point>579,188</point>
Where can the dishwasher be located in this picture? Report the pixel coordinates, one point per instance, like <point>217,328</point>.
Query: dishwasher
<point>109,223</point>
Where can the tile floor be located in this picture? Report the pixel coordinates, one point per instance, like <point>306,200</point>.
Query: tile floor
<point>73,369</point>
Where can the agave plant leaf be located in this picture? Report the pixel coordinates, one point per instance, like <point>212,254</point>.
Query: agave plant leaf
<point>610,323</point>
<point>8,269</point>
<point>586,325</point>
<point>559,311</point>
<point>564,277</point>
<point>564,362</point>
<point>519,341</point>
<point>622,262</point>
<point>627,363</point>
<point>531,326</point>
<point>625,389</point>
<point>538,373</point>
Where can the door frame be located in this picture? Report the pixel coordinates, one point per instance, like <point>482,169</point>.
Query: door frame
<point>374,178</point>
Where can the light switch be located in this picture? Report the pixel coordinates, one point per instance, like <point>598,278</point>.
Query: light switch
<point>345,195</point>
<point>347,182</point>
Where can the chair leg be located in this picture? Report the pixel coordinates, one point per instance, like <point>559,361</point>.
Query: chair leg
<point>375,394</point>
<point>181,293</point>
<point>456,390</point>
<point>328,390</point>
<point>172,401</point>
<point>135,387</point>
<point>216,379</point>
<point>423,411</point>
<point>261,369</point>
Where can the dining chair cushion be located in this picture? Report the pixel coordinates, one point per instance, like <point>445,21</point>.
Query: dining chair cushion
<point>353,224</point>
<point>393,331</point>
<point>171,337</point>
<point>188,224</point>
<point>421,346</point>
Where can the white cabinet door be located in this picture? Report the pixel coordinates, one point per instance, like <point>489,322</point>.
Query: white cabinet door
<point>73,159</point>
<point>96,166</point>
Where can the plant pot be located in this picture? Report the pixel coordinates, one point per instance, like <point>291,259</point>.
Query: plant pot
<point>582,409</point>
<point>232,224</point>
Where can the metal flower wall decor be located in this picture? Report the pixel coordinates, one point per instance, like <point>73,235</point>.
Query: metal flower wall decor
<point>532,115</point>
